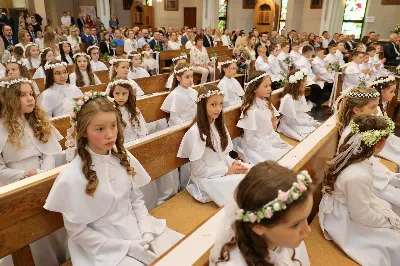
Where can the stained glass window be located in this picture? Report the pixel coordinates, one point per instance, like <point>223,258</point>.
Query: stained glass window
<point>282,17</point>
<point>353,19</point>
<point>222,14</point>
<point>149,2</point>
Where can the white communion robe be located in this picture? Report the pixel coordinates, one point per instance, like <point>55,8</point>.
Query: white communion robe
<point>332,58</point>
<point>208,168</point>
<point>386,184</point>
<point>137,73</point>
<point>35,62</point>
<point>57,100</point>
<point>138,131</point>
<point>295,122</point>
<point>281,58</point>
<point>232,90</point>
<point>267,68</point>
<point>170,80</point>
<point>100,228</point>
<point>39,73</point>
<point>70,62</point>
<point>304,63</point>
<point>275,67</point>
<point>318,68</point>
<point>278,257</point>
<point>34,155</point>
<point>260,141</point>
<point>181,105</point>
<point>358,221</point>
<point>98,65</point>
<point>294,55</point>
<point>352,75</point>
<point>391,150</point>
<point>86,81</point>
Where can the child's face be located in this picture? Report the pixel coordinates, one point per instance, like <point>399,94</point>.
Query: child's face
<point>264,90</point>
<point>275,52</point>
<point>120,95</point>
<point>285,49</point>
<point>214,107</point>
<point>122,69</point>
<point>82,62</point>
<point>95,54</point>
<point>378,49</point>
<point>13,70</point>
<point>320,54</point>
<point>34,51</point>
<point>147,47</point>
<point>60,75</point>
<point>27,100</point>
<point>180,61</point>
<point>303,86</point>
<point>102,131</point>
<point>295,48</point>
<point>39,34</point>
<point>186,80</point>
<point>370,109</point>
<point>340,46</point>
<point>262,53</point>
<point>372,53</point>
<point>358,59</point>
<point>291,231</point>
<point>366,58</point>
<point>388,93</point>
<point>333,50</point>
<point>268,43</point>
<point>136,61</point>
<point>66,48</point>
<point>231,70</point>
<point>50,56</point>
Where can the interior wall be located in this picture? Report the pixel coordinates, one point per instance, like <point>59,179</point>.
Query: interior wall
<point>294,16</point>
<point>385,18</point>
<point>311,19</point>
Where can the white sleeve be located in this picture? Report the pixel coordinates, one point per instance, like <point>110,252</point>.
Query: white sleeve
<point>48,162</point>
<point>359,199</point>
<point>127,47</point>
<point>224,41</point>
<point>96,79</point>
<point>8,175</point>
<point>200,170</point>
<point>353,78</point>
<point>142,214</point>
<point>72,79</point>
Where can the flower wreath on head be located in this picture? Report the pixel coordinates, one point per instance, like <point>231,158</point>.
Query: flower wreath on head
<point>255,79</point>
<point>13,60</point>
<point>299,75</point>
<point>50,65</point>
<point>182,56</point>
<point>62,42</point>
<point>182,70</point>
<point>208,94</point>
<point>7,84</point>
<point>131,54</point>
<point>378,82</point>
<point>227,62</point>
<point>120,82</point>
<point>349,93</point>
<point>115,60</point>
<point>278,204</point>
<point>91,47</point>
<point>78,103</point>
<point>81,54</point>
<point>31,44</point>
<point>371,137</point>
<point>44,50</point>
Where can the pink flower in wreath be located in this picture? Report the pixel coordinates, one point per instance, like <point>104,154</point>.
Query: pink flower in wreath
<point>282,195</point>
<point>73,115</point>
<point>268,213</point>
<point>80,102</point>
<point>88,93</point>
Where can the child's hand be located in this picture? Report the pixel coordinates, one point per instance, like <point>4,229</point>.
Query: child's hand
<point>30,173</point>
<point>365,71</point>
<point>237,168</point>
<point>383,60</point>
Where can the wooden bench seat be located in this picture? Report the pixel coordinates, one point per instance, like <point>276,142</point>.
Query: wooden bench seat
<point>324,252</point>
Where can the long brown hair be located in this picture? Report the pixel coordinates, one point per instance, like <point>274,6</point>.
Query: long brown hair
<point>115,65</point>
<point>130,103</point>
<point>28,54</point>
<point>203,124</point>
<point>10,114</point>
<point>382,86</point>
<point>345,112</point>
<point>179,66</point>
<point>365,123</point>
<point>260,186</point>
<point>50,75</point>
<point>25,73</point>
<point>79,76</point>
<point>82,121</point>
<point>294,88</point>
<point>43,56</point>
<point>250,95</point>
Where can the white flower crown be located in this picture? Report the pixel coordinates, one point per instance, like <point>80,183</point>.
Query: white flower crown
<point>31,44</point>
<point>182,56</point>
<point>278,204</point>
<point>81,54</point>
<point>120,82</point>
<point>255,79</point>
<point>44,50</point>
<point>115,60</point>
<point>182,70</point>
<point>62,42</point>
<point>50,65</point>
<point>7,84</point>
<point>131,54</point>
<point>366,95</point>
<point>19,62</point>
<point>208,94</point>
<point>299,75</point>
<point>371,137</point>
<point>90,47</point>
<point>381,80</point>
<point>228,62</point>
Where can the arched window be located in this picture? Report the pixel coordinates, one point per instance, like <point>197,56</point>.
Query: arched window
<point>353,19</point>
<point>222,13</point>
<point>282,15</point>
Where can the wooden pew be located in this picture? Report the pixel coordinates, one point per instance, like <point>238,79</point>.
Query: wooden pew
<point>103,75</point>
<point>336,93</point>
<point>71,69</point>
<point>40,83</point>
<point>119,50</point>
<point>99,87</point>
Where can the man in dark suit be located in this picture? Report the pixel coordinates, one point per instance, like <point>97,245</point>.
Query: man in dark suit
<point>38,19</point>
<point>31,32</point>
<point>81,22</point>
<point>72,18</point>
<point>348,44</point>
<point>95,36</point>
<point>3,20</point>
<point>158,36</point>
<point>392,51</point>
<point>86,37</point>
<point>207,39</point>
<point>185,38</point>
<point>8,37</point>
<point>263,42</point>
<point>335,39</point>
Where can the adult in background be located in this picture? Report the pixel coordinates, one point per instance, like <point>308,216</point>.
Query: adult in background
<point>157,42</point>
<point>10,21</point>
<point>86,37</point>
<point>185,37</point>
<point>89,20</point>
<point>226,39</point>
<point>31,33</point>
<point>80,22</point>
<point>371,38</point>
<point>118,40</point>
<point>71,18</point>
<point>263,42</point>
<point>200,61</point>
<point>169,33</point>
<point>208,39</point>
<point>145,38</point>
<point>325,39</point>
<point>274,37</point>
<point>114,23</point>
<point>95,36</point>
<point>173,43</point>
<point>8,37</point>
<point>65,20</point>
<point>335,39</point>
<point>38,19</point>
<point>392,50</point>
<point>3,20</point>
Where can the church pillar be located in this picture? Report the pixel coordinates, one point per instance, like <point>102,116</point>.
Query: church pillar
<point>332,16</point>
<point>210,14</point>
<point>103,11</point>
<point>41,10</point>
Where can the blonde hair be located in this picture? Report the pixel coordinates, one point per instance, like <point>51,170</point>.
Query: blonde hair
<point>88,110</point>
<point>49,40</point>
<point>10,114</point>
<point>21,35</point>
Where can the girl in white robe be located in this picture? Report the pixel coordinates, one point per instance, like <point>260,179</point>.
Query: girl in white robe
<point>56,99</point>
<point>119,68</point>
<point>363,226</point>
<point>135,71</point>
<point>207,145</point>
<point>95,63</point>
<point>266,188</point>
<point>46,55</point>
<point>233,91</point>
<point>32,56</point>
<point>23,155</point>
<point>176,61</point>
<point>386,184</point>
<point>65,53</point>
<point>295,122</point>
<point>83,75</point>
<point>105,217</point>
<point>149,63</point>
<point>260,141</point>
<point>17,69</point>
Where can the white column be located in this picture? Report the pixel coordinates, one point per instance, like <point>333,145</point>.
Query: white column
<point>41,10</point>
<point>18,3</point>
<point>332,16</point>
<point>103,11</point>
<point>210,13</point>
